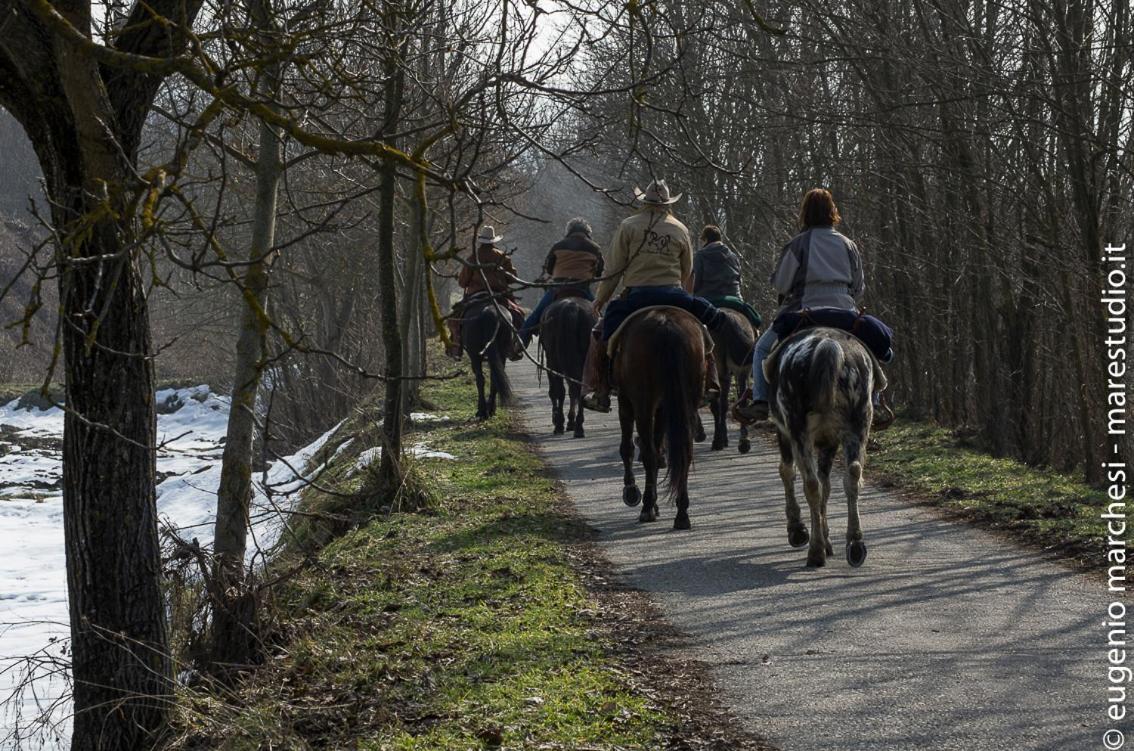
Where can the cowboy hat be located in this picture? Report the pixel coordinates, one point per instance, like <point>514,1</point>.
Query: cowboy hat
<point>656,194</point>
<point>487,235</point>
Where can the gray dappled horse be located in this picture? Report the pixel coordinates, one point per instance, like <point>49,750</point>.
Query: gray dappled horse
<point>733,362</point>
<point>565,335</point>
<point>486,335</point>
<point>659,371</point>
<point>821,383</point>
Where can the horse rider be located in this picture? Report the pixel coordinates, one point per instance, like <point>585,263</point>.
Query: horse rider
<point>571,265</point>
<point>716,275</point>
<point>819,268</point>
<point>488,273</point>
<point>651,258</point>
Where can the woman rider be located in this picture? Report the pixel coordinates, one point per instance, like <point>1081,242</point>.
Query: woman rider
<point>572,263</point>
<point>819,268</point>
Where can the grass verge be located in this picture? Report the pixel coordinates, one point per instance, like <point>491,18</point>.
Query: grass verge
<point>1048,509</point>
<point>465,624</point>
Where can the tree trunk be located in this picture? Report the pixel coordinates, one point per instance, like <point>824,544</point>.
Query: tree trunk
<point>234,633</point>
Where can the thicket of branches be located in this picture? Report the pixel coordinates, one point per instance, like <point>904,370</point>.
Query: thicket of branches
<point>980,152</point>
<point>293,183</point>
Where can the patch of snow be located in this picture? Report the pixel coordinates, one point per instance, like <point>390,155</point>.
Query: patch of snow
<point>417,451</point>
<point>33,587</point>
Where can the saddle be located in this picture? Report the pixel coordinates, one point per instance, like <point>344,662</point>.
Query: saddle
<point>735,303</point>
<point>876,335</point>
<point>567,292</point>
<point>612,343</point>
<point>479,300</point>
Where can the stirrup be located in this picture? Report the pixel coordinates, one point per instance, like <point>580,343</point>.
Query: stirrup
<point>883,418</point>
<point>750,412</point>
<point>596,402</point>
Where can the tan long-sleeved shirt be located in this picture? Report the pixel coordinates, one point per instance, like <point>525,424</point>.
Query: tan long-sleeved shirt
<point>650,249</point>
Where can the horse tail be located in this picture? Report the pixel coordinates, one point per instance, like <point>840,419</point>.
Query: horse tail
<point>681,391</point>
<point>499,376</point>
<point>826,362</point>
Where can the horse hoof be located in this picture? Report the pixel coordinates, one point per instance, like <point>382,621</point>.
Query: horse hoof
<point>744,446</point>
<point>830,550</point>
<point>816,562</point>
<point>631,496</point>
<point>856,553</point>
<point>579,433</point>
<point>558,430</point>
<point>718,445</point>
<point>682,521</point>
<point>570,424</point>
<point>648,515</point>
<point>699,436</point>
<point>797,538</point>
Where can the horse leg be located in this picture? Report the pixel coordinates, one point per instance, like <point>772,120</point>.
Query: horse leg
<point>577,410</point>
<point>647,420</point>
<point>813,491</point>
<point>478,376</point>
<point>744,445</point>
<point>826,459</point>
<point>698,428</point>
<point>630,494</point>
<point>720,410</point>
<point>852,485</point>
<point>797,531</point>
<point>555,391</point>
<point>493,353</point>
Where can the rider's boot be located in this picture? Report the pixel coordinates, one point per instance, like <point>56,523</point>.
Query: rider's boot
<point>883,415</point>
<point>746,411</point>
<point>596,381</point>
<point>712,381</point>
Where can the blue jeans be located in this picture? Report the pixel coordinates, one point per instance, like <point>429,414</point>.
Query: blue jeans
<point>640,297</point>
<point>532,320</point>
<point>764,345</point>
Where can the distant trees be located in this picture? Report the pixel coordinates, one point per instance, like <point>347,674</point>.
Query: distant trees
<point>978,149</point>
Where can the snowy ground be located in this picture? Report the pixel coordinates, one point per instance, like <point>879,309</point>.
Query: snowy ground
<point>33,594</point>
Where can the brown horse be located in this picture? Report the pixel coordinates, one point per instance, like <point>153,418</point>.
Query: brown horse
<point>565,335</point>
<point>732,362</point>
<point>659,370</point>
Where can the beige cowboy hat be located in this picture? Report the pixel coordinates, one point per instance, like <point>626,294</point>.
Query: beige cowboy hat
<point>488,236</point>
<point>656,194</point>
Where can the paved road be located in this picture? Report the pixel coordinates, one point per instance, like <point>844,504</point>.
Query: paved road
<point>945,639</point>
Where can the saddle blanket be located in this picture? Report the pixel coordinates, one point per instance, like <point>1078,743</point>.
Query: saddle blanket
<point>735,303</point>
<point>876,335</point>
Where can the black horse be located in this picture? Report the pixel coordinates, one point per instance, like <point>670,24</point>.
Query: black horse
<point>487,335</point>
<point>565,331</point>
<point>734,361</point>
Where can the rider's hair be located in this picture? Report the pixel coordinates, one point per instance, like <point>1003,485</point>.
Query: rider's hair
<point>578,224</point>
<point>818,209</point>
<point>711,233</point>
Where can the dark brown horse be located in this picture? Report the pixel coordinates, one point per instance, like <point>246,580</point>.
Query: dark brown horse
<point>659,370</point>
<point>733,361</point>
<point>565,331</point>
<point>487,335</point>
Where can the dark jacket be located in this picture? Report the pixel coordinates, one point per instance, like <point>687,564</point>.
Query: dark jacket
<point>716,272</point>
<point>576,256</point>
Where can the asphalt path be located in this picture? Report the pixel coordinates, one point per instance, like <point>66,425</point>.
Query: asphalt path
<point>949,637</point>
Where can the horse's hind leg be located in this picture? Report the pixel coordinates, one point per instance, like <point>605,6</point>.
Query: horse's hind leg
<point>720,410</point>
<point>647,420</point>
<point>478,376</point>
<point>797,531</point>
<point>555,391</point>
<point>826,459</point>
<point>744,445</point>
<point>812,489</point>
<point>577,411</point>
<point>852,485</point>
<point>630,494</point>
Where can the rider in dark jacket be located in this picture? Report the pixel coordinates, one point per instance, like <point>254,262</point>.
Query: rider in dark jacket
<point>572,262</point>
